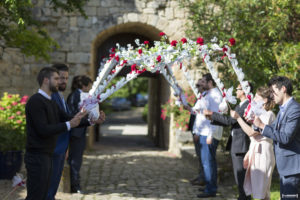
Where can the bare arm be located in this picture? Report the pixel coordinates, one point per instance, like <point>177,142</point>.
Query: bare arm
<point>246,128</point>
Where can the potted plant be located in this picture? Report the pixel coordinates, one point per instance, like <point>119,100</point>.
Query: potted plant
<point>12,134</point>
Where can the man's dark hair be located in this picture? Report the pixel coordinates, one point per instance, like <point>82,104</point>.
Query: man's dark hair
<point>280,81</point>
<point>46,72</point>
<point>61,67</point>
<point>85,81</point>
<point>208,77</point>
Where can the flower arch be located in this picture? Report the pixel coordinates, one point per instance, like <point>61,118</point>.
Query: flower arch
<point>160,59</point>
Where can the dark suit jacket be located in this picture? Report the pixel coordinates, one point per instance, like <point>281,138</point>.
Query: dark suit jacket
<point>73,103</point>
<point>239,142</point>
<point>63,139</point>
<point>286,136</point>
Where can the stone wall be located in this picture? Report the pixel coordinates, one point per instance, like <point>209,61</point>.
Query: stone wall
<point>79,37</point>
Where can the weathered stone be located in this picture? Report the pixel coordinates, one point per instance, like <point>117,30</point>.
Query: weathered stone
<point>86,36</point>
<point>107,3</point>
<point>90,10</point>
<point>83,22</point>
<point>73,21</point>
<point>114,10</point>
<point>162,24</point>
<point>94,3</point>
<point>5,82</point>
<point>169,13</point>
<point>179,13</point>
<point>58,57</point>
<point>63,23</point>
<point>132,17</point>
<point>78,57</point>
<point>149,11</point>
<point>46,11</point>
<point>1,52</point>
<point>152,20</point>
<point>102,11</point>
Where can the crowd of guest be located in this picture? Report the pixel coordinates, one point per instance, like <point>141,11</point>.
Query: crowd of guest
<point>256,142</point>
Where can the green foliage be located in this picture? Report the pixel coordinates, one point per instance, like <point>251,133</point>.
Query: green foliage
<point>181,116</point>
<point>19,28</point>
<point>267,35</point>
<point>12,122</point>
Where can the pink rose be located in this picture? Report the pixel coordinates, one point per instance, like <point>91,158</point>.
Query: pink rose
<point>11,117</point>
<point>184,40</point>
<point>19,121</point>
<point>1,108</point>
<point>9,96</point>
<point>173,43</point>
<point>162,34</point>
<point>8,107</point>
<point>200,41</point>
<point>24,99</point>
<point>158,58</point>
<point>232,41</point>
<point>18,112</point>
<point>14,103</point>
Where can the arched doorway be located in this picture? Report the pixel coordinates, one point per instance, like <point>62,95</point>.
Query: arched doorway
<point>158,89</point>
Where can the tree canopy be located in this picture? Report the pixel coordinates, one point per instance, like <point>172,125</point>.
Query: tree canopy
<point>267,35</point>
<point>19,28</point>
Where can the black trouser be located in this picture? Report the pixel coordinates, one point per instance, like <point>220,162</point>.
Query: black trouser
<point>239,173</point>
<point>76,149</point>
<point>38,167</point>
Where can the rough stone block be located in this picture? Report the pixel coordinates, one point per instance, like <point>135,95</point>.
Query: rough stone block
<point>143,18</point>
<point>132,17</point>
<point>46,11</point>
<point>102,11</point>
<point>86,36</point>
<point>58,57</point>
<point>179,13</point>
<point>152,20</point>
<point>90,10</point>
<point>63,23</point>
<point>113,10</point>
<point>73,21</point>
<point>78,58</point>
<point>162,24</point>
<point>149,11</point>
<point>83,22</point>
<point>152,4</point>
<point>94,3</point>
<point>169,13</point>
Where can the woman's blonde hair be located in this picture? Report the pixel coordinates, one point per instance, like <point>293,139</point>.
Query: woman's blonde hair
<point>266,92</point>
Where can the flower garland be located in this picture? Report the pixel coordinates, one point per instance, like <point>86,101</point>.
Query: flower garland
<point>161,58</point>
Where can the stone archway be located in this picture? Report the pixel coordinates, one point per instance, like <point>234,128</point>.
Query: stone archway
<point>158,88</point>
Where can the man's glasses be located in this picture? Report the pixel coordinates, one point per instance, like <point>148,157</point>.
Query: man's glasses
<point>238,88</point>
<point>198,85</point>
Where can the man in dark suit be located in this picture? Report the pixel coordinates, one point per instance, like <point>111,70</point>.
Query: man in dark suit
<point>63,139</point>
<point>44,122</point>
<point>77,135</point>
<point>285,132</point>
<point>238,141</point>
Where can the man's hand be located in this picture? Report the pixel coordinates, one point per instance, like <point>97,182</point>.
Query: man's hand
<point>207,114</point>
<point>75,121</point>
<point>234,114</point>
<point>258,123</point>
<point>101,118</point>
<point>209,140</point>
<point>196,138</point>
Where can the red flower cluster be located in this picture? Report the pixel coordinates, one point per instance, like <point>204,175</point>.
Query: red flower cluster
<point>184,40</point>
<point>200,41</point>
<point>140,51</point>
<point>158,58</point>
<point>146,42</point>
<point>232,41</point>
<point>173,43</point>
<point>162,34</point>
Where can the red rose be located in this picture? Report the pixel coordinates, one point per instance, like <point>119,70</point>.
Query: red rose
<point>162,34</point>
<point>173,43</point>
<point>146,42</point>
<point>111,55</point>
<point>117,58</point>
<point>124,62</point>
<point>232,41</point>
<point>113,50</point>
<point>158,58</point>
<point>140,51</point>
<point>224,49</point>
<point>183,40</point>
<point>133,67</point>
<point>200,41</point>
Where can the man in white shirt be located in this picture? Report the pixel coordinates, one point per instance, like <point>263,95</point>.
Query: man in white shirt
<point>209,135</point>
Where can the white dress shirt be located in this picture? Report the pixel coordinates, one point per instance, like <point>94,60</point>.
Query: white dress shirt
<point>202,126</point>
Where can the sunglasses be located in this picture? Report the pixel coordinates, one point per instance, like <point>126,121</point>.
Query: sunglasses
<point>197,85</point>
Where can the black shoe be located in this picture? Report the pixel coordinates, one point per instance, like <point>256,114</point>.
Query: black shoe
<point>78,191</point>
<point>197,182</point>
<point>201,189</point>
<point>205,195</point>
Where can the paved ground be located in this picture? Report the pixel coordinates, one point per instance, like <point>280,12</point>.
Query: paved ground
<point>127,166</point>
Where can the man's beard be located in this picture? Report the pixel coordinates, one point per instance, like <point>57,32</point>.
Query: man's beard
<point>62,87</point>
<point>52,88</point>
